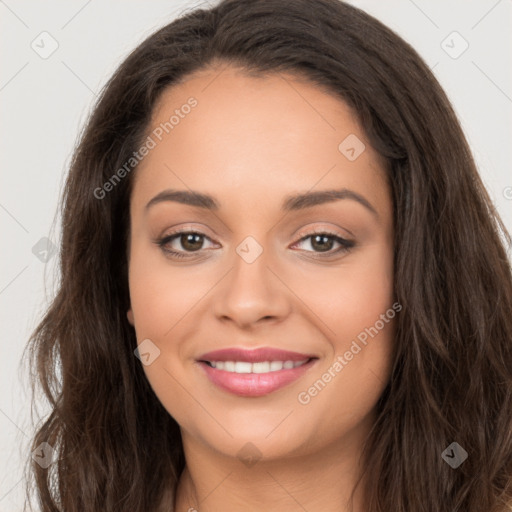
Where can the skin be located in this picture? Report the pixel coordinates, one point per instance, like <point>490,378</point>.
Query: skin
<point>250,142</point>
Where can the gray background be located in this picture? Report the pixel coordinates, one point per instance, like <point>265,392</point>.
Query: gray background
<point>44,102</point>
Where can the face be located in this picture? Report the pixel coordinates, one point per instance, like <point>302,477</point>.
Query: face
<point>266,261</point>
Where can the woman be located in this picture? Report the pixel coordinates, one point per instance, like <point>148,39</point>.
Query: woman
<point>283,283</point>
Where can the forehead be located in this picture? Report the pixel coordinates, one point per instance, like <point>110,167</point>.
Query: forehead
<point>258,135</point>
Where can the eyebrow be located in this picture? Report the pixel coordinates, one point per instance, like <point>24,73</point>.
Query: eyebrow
<point>291,203</point>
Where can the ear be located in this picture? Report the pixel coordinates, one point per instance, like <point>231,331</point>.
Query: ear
<point>129,315</point>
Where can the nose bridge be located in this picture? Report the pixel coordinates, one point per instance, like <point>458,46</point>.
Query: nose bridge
<point>250,274</point>
<point>251,291</point>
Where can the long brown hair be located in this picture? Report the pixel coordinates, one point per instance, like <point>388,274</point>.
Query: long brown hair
<point>116,447</point>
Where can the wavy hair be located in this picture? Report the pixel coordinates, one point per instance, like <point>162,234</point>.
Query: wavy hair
<point>116,447</point>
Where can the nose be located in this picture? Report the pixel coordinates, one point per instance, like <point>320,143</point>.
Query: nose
<point>252,293</point>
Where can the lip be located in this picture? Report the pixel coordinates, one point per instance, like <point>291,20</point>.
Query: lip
<point>254,384</point>
<point>256,355</point>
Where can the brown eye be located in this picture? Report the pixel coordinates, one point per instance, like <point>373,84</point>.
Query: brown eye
<point>187,241</point>
<point>323,242</point>
<point>191,241</point>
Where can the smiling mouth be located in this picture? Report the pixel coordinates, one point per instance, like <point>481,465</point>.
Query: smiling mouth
<point>254,379</point>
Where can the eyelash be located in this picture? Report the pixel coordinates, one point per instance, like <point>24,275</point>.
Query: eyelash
<point>346,245</point>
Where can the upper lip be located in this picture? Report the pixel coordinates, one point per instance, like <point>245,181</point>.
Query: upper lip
<point>254,356</point>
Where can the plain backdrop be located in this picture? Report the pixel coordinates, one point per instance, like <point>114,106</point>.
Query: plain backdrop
<point>45,101</point>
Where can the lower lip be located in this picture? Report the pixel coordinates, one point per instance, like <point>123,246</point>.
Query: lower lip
<point>254,384</point>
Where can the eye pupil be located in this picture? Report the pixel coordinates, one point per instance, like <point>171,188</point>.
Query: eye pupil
<point>188,238</point>
<point>322,245</point>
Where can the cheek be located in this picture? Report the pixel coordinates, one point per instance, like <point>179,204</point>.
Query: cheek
<point>352,297</point>
<point>160,294</point>
<point>356,309</point>
<point>361,317</point>
<point>367,294</point>
<point>344,392</point>
<point>160,299</point>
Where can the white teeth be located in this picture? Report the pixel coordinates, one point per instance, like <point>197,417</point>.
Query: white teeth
<point>243,367</point>
<point>229,366</point>
<point>261,367</point>
<point>276,365</point>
